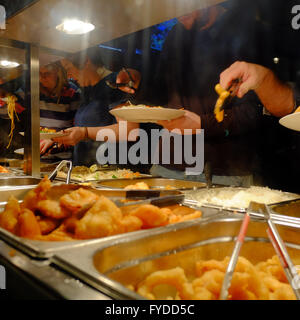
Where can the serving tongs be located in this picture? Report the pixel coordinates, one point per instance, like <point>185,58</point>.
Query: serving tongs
<point>234,257</point>
<point>61,165</point>
<point>277,242</point>
<point>129,84</point>
<point>281,251</point>
<point>225,97</point>
<point>156,201</point>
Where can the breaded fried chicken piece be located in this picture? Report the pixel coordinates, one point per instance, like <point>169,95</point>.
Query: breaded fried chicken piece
<point>9,217</point>
<point>103,219</point>
<point>151,216</point>
<point>28,226</point>
<point>77,199</point>
<point>52,209</point>
<point>39,193</point>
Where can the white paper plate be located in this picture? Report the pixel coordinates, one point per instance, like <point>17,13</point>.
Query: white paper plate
<point>146,114</point>
<point>291,121</point>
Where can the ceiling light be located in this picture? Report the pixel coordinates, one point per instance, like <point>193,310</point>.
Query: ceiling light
<point>8,64</point>
<point>74,26</point>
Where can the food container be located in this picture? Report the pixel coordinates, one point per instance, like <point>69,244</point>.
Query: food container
<point>153,183</point>
<point>45,249</point>
<point>111,267</point>
<point>288,208</point>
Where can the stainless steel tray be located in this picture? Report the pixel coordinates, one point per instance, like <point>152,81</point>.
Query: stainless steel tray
<point>45,249</point>
<point>128,260</point>
<point>153,183</point>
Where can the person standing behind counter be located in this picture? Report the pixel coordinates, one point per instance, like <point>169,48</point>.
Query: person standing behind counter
<point>89,71</point>
<point>59,100</point>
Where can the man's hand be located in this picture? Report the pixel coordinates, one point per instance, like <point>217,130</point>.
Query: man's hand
<point>74,135</point>
<point>189,120</point>
<point>276,96</point>
<point>251,75</point>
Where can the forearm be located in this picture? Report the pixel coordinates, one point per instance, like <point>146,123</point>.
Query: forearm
<point>277,97</point>
<point>120,131</point>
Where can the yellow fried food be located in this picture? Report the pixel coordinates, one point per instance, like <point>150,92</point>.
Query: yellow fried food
<point>47,225</point>
<point>172,277</point>
<point>223,94</point>
<point>151,216</point>
<point>249,282</point>
<point>33,197</point>
<point>137,186</point>
<point>131,223</point>
<point>77,199</point>
<point>103,219</point>
<point>28,226</point>
<point>9,217</point>
<point>297,110</point>
<point>52,209</point>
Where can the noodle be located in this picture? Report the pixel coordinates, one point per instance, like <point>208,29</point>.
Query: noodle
<point>11,110</point>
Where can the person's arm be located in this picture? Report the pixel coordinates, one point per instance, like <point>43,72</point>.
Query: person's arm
<point>189,120</point>
<point>77,134</point>
<point>276,96</point>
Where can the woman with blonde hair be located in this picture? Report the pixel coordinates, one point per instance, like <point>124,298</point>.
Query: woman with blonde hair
<point>59,100</point>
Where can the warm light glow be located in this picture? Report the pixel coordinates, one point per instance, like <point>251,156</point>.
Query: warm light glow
<point>75,27</point>
<point>8,64</point>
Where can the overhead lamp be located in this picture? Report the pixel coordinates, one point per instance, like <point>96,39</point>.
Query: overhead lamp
<point>74,26</point>
<point>8,64</point>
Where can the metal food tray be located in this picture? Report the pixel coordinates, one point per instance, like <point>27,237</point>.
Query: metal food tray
<point>153,183</point>
<point>110,267</point>
<point>45,249</point>
<point>279,210</point>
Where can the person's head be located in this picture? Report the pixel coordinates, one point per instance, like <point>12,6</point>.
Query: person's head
<point>53,78</point>
<point>83,66</point>
<point>203,17</point>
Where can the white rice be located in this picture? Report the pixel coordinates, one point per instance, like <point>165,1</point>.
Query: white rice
<point>239,197</point>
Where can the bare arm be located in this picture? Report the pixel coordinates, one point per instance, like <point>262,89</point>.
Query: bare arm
<point>77,134</point>
<point>276,96</point>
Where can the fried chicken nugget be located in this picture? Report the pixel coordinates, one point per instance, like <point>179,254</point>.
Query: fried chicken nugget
<point>33,197</point>
<point>47,225</point>
<point>28,226</point>
<point>77,199</point>
<point>151,216</point>
<point>131,223</point>
<point>187,217</point>
<point>52,209</point>
<point>103,219</point>
<point>9,217</point>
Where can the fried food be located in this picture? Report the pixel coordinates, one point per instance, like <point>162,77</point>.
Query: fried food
<point>173,277</point>
<point>52,209</point>
<point>47,225</point>
<point>151,216</point>
<point>9,217</point>
<point>77,199</point>
<point>56,214</point>
<point>137,186</point>
<point>103,219</point>
<point>28,226</point>
<point>33,197</point>
<point>262,281</point>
